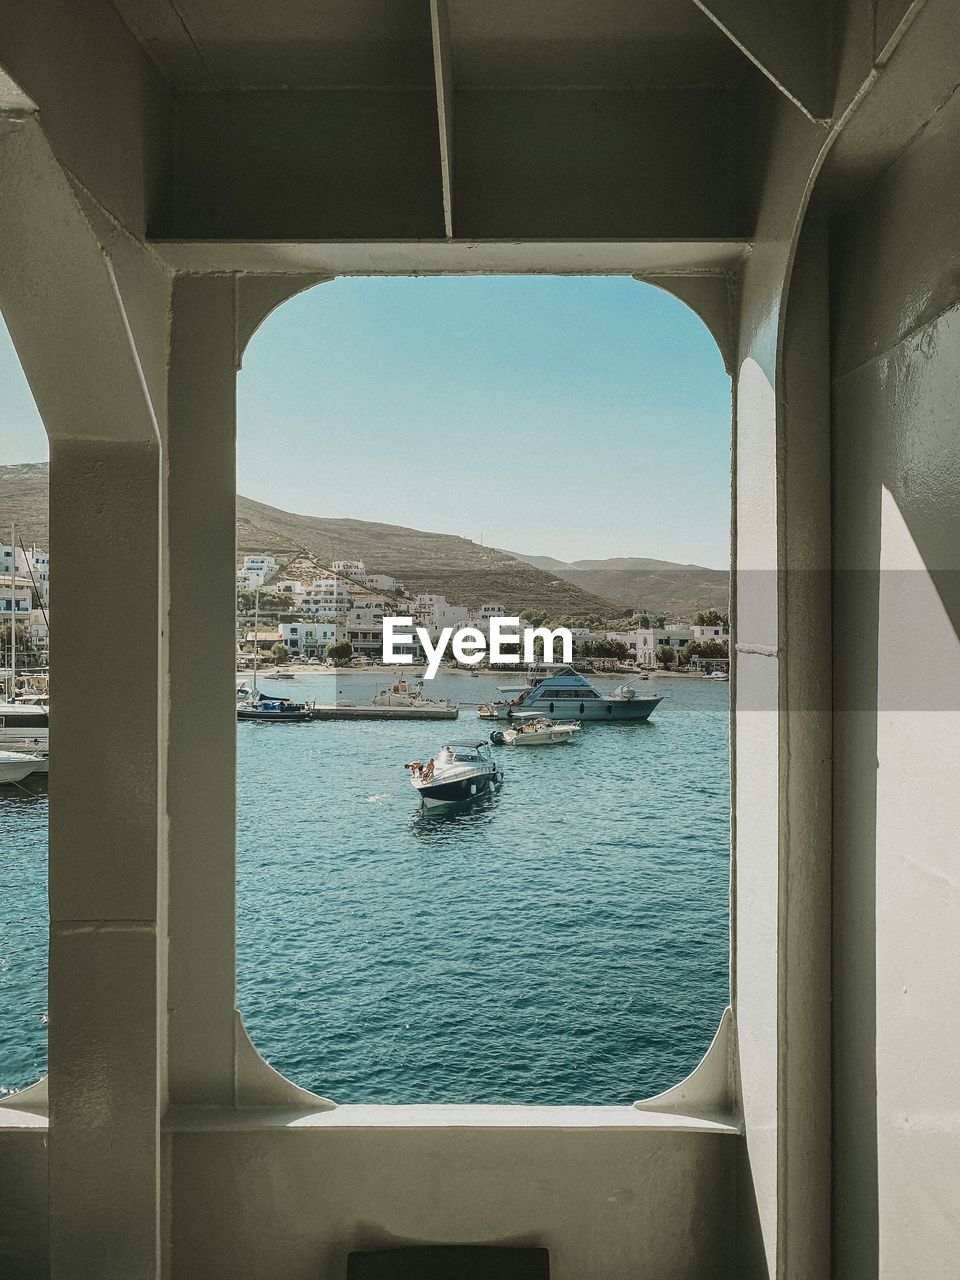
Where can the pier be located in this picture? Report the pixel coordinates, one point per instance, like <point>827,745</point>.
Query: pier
<point>344,711</point>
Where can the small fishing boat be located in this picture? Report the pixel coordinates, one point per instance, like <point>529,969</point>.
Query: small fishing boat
<point>534,730</point>
<point>459,772</point>
<point>260,707</point>
<point>402,694</point>
<point>15,766</point>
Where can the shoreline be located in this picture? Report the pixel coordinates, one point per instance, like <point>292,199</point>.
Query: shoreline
<point>391,672</point>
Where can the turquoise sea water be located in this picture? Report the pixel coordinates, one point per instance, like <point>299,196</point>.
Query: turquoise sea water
<point>563,942</point>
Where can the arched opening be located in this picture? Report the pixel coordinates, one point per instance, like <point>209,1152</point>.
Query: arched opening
<point>24,580</point>
<point>568,940</point>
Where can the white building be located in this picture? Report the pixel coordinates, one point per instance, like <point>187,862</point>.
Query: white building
<point>326,597</point>
<point>350,568</point>
<point>309,639</point>
<point>645,641</point>
<point>289,586</point>
<point>480,618</point>
<point>31,563</point>
<point>16,599</point>
<point>435,612</point>
<point>364,627</point>
<point>383,582</point>
<point>256,571</point>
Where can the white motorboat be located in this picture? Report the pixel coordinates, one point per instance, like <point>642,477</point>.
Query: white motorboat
<point>567,695</point>
<point>459,772</point>
<point>717,675</point>
<point>15,766</point>
<point>535,731</point>
<point>25,727</point>
<point>402,694</point>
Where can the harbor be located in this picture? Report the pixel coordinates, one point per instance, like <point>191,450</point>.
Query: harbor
<point>563,939</point>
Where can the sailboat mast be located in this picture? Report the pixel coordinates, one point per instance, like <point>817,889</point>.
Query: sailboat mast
<point>13,611</point>
<point>256,634</point>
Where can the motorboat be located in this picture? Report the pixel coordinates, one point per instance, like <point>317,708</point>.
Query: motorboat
<point>402,694</point>
<point>717,675</point>
<point>459,772</point>
<point>25,726</point>
<point>567,695</point>
<point>533,730</point>
<point>15,766</point>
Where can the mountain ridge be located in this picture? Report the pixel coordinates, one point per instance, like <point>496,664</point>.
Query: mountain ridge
<point>466,572</point>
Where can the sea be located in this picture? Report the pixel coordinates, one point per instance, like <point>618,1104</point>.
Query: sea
<point>563,942</point>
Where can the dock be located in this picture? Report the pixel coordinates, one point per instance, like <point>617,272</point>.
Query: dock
<point>347,711</point>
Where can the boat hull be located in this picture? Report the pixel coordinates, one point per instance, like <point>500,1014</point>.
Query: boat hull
<point>460,791</point>
<point>17,770</point>
<point>620,710</point>
<point>281,717</point>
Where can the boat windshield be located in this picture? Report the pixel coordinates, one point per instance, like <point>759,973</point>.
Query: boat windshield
<point>466,757</point>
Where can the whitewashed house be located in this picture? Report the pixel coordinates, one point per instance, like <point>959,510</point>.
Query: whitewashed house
<point>256,571</point>
<point>350,568</point>
<point>328,597</point>
<point>31,563</point>
<point>309,639</point>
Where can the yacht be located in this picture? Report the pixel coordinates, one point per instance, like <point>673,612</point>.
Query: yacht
<point>25,727</point>
<point>459,772</point>
<point>15,766</point>
<point>533,730</point>
<point>567,695</point>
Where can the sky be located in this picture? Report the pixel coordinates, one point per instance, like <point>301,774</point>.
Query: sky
<point>576,417</point>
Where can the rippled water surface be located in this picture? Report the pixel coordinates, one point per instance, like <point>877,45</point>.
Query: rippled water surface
<point>565,941</point>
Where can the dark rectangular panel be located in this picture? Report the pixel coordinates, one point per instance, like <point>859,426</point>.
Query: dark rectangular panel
<point>594,164</point>
<point>305,165</point>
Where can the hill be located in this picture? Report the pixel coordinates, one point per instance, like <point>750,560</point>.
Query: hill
<point>659,586</point>
<point>464,571</point>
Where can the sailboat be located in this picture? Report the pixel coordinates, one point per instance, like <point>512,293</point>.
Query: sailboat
<point>254,705</point>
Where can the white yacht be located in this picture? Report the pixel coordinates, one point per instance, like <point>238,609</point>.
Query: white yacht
<point>460,771</point>
<point>528,729</point>
<point>15,766</point>
<point>567,695</point>
<point>25,727</point>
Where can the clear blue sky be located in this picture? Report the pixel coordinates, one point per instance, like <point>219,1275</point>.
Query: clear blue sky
<point>575,417</point>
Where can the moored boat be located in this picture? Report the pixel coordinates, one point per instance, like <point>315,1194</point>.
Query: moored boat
<point>533,730</point>
<point>259,707</point>
<point>15,766</point>
<point>402,694</point>
<point>25,727</point>
<point>567,695</point>
<point>458,773</point>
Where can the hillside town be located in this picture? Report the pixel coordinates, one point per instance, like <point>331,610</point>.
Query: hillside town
<point>338,618</point>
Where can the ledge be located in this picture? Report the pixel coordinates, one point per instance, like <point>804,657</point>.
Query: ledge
<point>439,1116</point>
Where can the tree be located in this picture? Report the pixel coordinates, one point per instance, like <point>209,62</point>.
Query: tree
<point>340,652</point>
<point>666,655</point>
<point>280,652</point>
<point>711,618</point>
<point>645,621</point>
<point>660,621</point>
